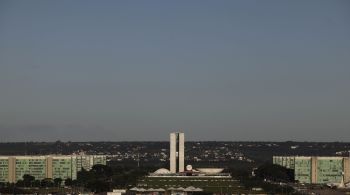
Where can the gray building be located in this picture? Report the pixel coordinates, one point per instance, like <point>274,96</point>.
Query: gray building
<point>177,152</point>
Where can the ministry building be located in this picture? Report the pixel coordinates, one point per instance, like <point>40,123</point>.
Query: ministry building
<point>317,169</point>
<point>12,168</point>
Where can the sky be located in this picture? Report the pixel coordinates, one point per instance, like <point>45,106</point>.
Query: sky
<point>138,70</point>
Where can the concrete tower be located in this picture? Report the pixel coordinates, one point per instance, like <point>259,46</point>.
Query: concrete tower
<point>177,152</point>
<point>173,152</point>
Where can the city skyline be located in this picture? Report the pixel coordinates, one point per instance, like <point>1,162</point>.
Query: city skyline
<point>136,71</point>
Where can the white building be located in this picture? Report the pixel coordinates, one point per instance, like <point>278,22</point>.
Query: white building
<point>177,152</point>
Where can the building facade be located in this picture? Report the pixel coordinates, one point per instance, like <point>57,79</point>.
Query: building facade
<point>12,168</point>
<point>177,152</point>
<point>315,169</point>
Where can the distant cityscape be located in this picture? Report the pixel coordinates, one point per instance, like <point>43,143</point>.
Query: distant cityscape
<point>178,166</point>
<point>196,151</point>
<point>136,97</point>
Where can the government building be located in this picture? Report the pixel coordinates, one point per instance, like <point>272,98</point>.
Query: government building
<point>316,169</point>
<point>181,180</point>
<point>12,168</point>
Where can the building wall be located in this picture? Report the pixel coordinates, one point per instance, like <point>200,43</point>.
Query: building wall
<point>316,169</point>
<point>12,168</point>
<point>31,165</point>
<point>75,168</point>
<point>346,165</point>
<point>88,161</point>
<point>62,167</point>
<point>277,160</point>
<point>285,161</point>
<point>289,163</point>
<point>181,152</point>
<point>314,165</point>
<point>49,169</point>
<point>84,162</point>
<point>4,169</point>
<point>329,169</point>
<point>173,152</point>
<point>99,159</point>
<point>302,169</point>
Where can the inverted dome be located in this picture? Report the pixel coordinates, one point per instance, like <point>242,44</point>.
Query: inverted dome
<point>210,170</point>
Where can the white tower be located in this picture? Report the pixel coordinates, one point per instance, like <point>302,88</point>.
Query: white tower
<point>177,152</point>
<point>173,152</point>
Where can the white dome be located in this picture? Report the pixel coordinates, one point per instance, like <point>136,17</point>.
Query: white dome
<point>162,171</point>
<point>189,167</point>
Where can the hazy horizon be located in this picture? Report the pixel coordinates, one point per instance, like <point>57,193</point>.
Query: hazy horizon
<point>138,70</point>
<point>167,140</point>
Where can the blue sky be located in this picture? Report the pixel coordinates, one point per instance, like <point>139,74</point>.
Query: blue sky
<point>137,70</point>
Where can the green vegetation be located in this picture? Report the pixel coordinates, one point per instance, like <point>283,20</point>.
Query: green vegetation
<point>267,176</point>
<point>275,173</point>
<point>103,178</point>
<point>100,178</point>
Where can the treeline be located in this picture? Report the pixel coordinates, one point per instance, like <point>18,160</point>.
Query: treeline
<point>271,178</point>
<point>103,178</point>
<point>100,178</point>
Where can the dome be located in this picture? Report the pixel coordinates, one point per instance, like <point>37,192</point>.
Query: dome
<point>162,171</point>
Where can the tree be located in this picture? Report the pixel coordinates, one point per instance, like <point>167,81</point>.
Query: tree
<point>102,178</point>
<point>275,173</point>
<point>36,183</point>
<point>102,171</point>
<point>47,182</point>
<point>68,182</point>
<point>57,182</point>
<point>98,186</point>
<point>83,177</point>
<point>28,180</point>
<point>20,183</point>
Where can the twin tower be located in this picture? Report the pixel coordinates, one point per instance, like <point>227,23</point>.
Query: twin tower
<point>177,152</point>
